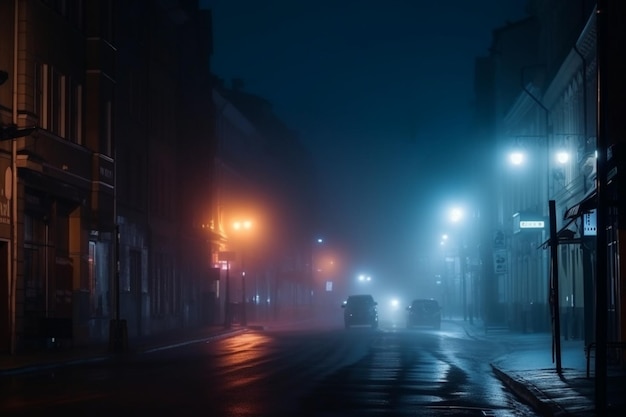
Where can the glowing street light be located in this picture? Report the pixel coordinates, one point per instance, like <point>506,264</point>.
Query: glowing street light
<point>562,157</point>
<point>456,215</point>
<point>516,157</point>
<point>247,224</point>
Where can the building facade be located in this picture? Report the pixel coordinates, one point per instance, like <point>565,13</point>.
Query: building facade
<point>540,94</point>
<point>255,152</point>
<point>58,180</point>
<point>111,200</point>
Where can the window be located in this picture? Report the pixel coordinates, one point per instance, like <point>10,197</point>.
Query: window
<point>62,105</point>
<point>35,279</point>
<point>74,112</point>
<point>56,101</point>
<point>135,271</point>
<point>41,94</point>
<point>107,147</point>
<point>155,287</point>
<point>164,287</point>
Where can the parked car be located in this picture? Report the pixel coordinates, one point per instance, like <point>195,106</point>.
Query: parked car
<point>360,310</point>
<point>424,312</point>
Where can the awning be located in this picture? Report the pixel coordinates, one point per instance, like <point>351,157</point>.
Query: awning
<point>565,235</point>
<point>587,204</point>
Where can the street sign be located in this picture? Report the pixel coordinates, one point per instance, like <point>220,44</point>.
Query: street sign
<point>527,222</point>
<point>500,261</point>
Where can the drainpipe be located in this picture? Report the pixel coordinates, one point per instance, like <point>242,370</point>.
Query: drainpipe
<point>546,121</point>
<point>585,80</point>
<point>584,74</point>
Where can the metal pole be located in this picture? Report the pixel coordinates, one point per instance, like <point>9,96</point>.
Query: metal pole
<point>244,320</point>
<point>14,191</point>
<point>554,288</point>
<point>602,212</point>
<point>227,298</point>
<point>464,285</point>
<point>117,273</point>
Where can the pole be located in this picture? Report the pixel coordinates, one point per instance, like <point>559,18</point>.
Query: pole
<point>117,272</point>
<point>244,321</point>
<point>464,285</point>
<point>602,212</point>
<point>554,288</point>
<point>118,331</point>
<point>227,298</point>
<point>14,193</point>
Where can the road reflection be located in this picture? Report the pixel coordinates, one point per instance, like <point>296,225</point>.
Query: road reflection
<point>243,357</point>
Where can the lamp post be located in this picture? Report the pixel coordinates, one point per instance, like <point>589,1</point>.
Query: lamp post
<point>456,216</point>
<point>227,313</point>
<point>227,256</point>
<point>454,270</point>
<point>526,222</point>
<point>237,226</point>
<point>468,259</point>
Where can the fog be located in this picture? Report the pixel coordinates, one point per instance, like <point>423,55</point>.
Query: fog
<point>381,94</point>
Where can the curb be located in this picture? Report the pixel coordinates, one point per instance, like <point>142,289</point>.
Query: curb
<point>530,395</point>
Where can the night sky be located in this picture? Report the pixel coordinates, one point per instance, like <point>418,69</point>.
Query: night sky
<point>381,93</point>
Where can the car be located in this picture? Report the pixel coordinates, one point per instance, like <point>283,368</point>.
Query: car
<point>360,310</point>
<point>424,312</point>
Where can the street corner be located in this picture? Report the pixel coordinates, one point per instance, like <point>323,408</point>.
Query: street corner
<point>527,392</point>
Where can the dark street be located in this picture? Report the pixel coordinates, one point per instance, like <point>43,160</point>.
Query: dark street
<point>317,208</point>
<point>308,372</point>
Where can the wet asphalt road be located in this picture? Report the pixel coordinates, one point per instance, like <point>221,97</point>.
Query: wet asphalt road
<point>304,372</point>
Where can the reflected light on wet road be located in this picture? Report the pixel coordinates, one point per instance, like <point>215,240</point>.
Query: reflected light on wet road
<point>241,355</point>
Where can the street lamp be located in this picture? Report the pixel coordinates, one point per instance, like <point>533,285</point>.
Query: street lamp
<point>562,157</point>
<point>516,157</point>
<point>457,216</point>
<point>243,226</point>
<point>227,256</point>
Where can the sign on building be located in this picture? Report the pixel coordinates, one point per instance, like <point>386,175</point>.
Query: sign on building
<point>589,223</point>
<point>527,221</point>
<point>500,261</point>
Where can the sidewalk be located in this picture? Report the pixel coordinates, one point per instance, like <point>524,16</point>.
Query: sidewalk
<point>529,370</point>
<point>68,355</point>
